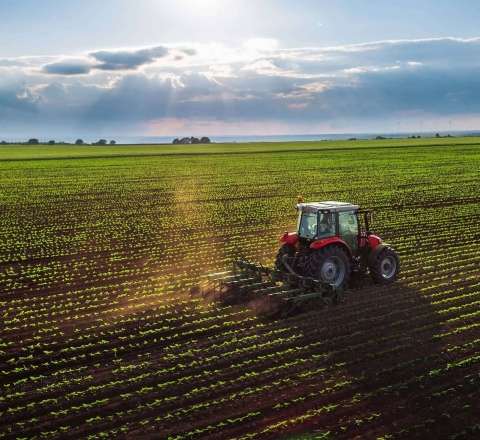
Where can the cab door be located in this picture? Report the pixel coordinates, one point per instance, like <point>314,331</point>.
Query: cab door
<point>348,228</point>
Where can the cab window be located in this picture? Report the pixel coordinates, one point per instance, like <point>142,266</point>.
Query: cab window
<point>308,225</point>
<point>348,228</point>
<point>326,224</point>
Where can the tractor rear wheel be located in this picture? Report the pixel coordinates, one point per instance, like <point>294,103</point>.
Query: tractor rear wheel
<point>384,266</point>
<point>287,250</point>
<point>330,264</point>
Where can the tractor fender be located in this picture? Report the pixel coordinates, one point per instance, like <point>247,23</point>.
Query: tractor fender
<point>319,244</point>
<point>290,238</point>
<point>374,241</point>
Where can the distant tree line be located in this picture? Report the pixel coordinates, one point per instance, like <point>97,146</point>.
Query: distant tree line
<point>35,141</point>
<point>184,140</point>
<point>438,135</point>
<point>192,140</point>
<point>99,142</point>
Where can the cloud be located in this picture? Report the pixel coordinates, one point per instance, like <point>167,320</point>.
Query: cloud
<point>68,67</point>
<point>17,103</point>
<point>11,62</point>
<point>109,60</point>
<point>128,59</point>
<point>188,51</point>
<point>353,85</point>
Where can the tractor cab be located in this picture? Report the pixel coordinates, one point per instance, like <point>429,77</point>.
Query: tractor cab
<point>323,220</point>
<point>332,240</point>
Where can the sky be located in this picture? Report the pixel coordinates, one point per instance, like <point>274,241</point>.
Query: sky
<point>233,67</point>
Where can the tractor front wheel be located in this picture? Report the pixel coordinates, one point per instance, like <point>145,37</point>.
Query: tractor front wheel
<point>330,264</point>
<point>384,266</point>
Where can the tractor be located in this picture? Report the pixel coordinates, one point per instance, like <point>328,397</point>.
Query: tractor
<point>332,243</point>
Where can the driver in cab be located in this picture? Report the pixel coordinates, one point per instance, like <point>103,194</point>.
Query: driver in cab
<point>325,226</point>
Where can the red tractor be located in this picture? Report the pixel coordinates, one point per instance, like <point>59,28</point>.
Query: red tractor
<point>332,240</point>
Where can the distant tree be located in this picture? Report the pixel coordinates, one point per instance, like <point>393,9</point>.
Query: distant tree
<point>437,135</point>
<point>79,142</point>
<point>52,142</point>
<point>100,142</point>
<point>3,143</point>
<point>112,142</point>
<point>33,141</point>
<point>192,140</point>
<point>380,138</point>
<point>352,139</point>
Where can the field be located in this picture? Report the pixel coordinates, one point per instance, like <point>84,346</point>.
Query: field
<point>100,337</point>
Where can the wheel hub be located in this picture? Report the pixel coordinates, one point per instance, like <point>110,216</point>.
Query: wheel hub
<point>388,266</point>
<point>333,271</point>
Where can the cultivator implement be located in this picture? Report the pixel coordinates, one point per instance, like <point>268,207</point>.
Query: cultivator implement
<point>269,291</point>
<point>331,247</point>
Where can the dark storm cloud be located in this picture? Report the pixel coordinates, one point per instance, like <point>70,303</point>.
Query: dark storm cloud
<point>128,59</point>
<point>12,101</point>
<point>17,104</point>
<point>388,93</point>
<point>67,68</point>
<point>135,97</point>
<point>110,60</point>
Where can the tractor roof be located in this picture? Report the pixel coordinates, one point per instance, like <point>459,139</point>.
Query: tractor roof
<point>327,206</point>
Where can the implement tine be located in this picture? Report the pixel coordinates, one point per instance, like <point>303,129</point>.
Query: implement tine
<point>267,286</point>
